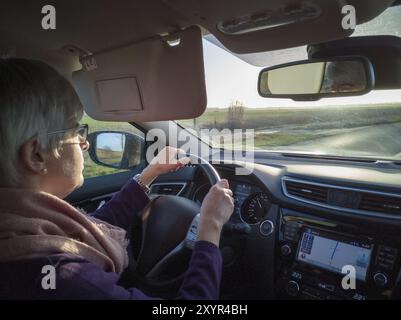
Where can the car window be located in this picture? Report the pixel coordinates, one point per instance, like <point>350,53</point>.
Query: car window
<point>92,169</point>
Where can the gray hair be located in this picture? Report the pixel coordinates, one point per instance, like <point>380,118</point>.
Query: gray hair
<point>34,100</point>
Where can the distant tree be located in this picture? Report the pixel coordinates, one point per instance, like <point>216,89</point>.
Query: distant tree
<point>235,115</point>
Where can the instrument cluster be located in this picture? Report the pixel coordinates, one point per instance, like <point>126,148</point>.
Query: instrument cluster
<point>250,204</point>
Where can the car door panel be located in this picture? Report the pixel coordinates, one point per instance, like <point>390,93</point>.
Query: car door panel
<point>97,190</point>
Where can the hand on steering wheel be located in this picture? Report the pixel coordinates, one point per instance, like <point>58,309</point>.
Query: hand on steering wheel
<point>166,221</point>
<point>216,209</point>
<point>169,159</point>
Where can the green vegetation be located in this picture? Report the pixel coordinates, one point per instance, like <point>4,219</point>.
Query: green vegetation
<point>328,117</point>
<point>109,157</point>
<point>281,139</point>
<point>275,127</point>
<point>92,169</point>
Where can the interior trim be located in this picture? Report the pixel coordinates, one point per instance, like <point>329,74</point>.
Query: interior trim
<point>355,211</point>
<point>169,184</point>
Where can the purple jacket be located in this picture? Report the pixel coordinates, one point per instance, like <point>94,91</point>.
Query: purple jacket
<point>77,278</point>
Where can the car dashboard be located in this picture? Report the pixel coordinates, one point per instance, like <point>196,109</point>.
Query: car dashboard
<point>306,228</point>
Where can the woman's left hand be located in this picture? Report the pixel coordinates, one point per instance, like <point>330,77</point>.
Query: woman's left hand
<point>169,159</point>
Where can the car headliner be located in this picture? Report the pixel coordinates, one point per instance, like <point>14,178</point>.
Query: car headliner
<point>95,25</point>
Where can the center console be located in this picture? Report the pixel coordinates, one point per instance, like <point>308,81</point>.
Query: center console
<point>323,259</point>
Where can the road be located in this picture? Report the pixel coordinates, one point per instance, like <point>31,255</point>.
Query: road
<point>384,140</point>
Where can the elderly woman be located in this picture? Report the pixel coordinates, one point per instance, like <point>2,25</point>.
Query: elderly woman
<point>41,163</point>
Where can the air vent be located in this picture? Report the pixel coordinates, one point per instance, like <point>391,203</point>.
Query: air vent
<point>379,203</point>
<point>347,199</point>
<point>307,191</point>
<point>167,188</point>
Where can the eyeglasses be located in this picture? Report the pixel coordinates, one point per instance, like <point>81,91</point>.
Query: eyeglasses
<point>82,131</point>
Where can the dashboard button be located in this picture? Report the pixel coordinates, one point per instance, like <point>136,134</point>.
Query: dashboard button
<point>384,266</point>
<point>285,250</point>
<point>316,294</point>
<point>266,228</point>
<point>389,261</point>
<point>292,288</point>
<point>296,275</point>
<point>358,296</point>
<point>387,249</point>
<point>380,279</point>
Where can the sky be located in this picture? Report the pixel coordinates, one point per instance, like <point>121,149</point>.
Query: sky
<point>228,78</point>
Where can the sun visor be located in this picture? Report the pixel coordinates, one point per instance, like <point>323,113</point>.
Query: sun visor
<point>153,80</point>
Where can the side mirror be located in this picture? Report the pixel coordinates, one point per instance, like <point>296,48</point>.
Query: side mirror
<point>114,149</point>
<point>316,79</point>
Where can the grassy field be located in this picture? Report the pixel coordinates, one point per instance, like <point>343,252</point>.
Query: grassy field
<point>330,117</point>
<point>286,126</point>
<point>273,127</point>
<point>110,157</point>
<point>92,169</point>
<point>281,139</point>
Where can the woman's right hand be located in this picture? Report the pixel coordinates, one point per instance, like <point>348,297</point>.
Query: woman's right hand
<point>216,210</point>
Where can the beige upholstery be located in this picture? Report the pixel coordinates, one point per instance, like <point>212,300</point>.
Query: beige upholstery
<point>146,81</point>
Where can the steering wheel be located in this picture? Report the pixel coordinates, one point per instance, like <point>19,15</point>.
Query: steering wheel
<point>169,229</point>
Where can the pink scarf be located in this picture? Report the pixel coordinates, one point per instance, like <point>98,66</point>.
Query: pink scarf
<point>37,224</point>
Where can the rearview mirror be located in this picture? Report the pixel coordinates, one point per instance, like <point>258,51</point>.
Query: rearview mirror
<point>316,79</point>
<point>114,149</point>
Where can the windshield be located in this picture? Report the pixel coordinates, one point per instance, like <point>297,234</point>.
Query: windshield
<point>362,126</point>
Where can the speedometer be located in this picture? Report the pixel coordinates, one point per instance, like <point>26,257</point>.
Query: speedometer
<point>255,208</point>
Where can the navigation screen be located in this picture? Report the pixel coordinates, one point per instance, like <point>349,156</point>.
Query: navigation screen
<point>332,255</point>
